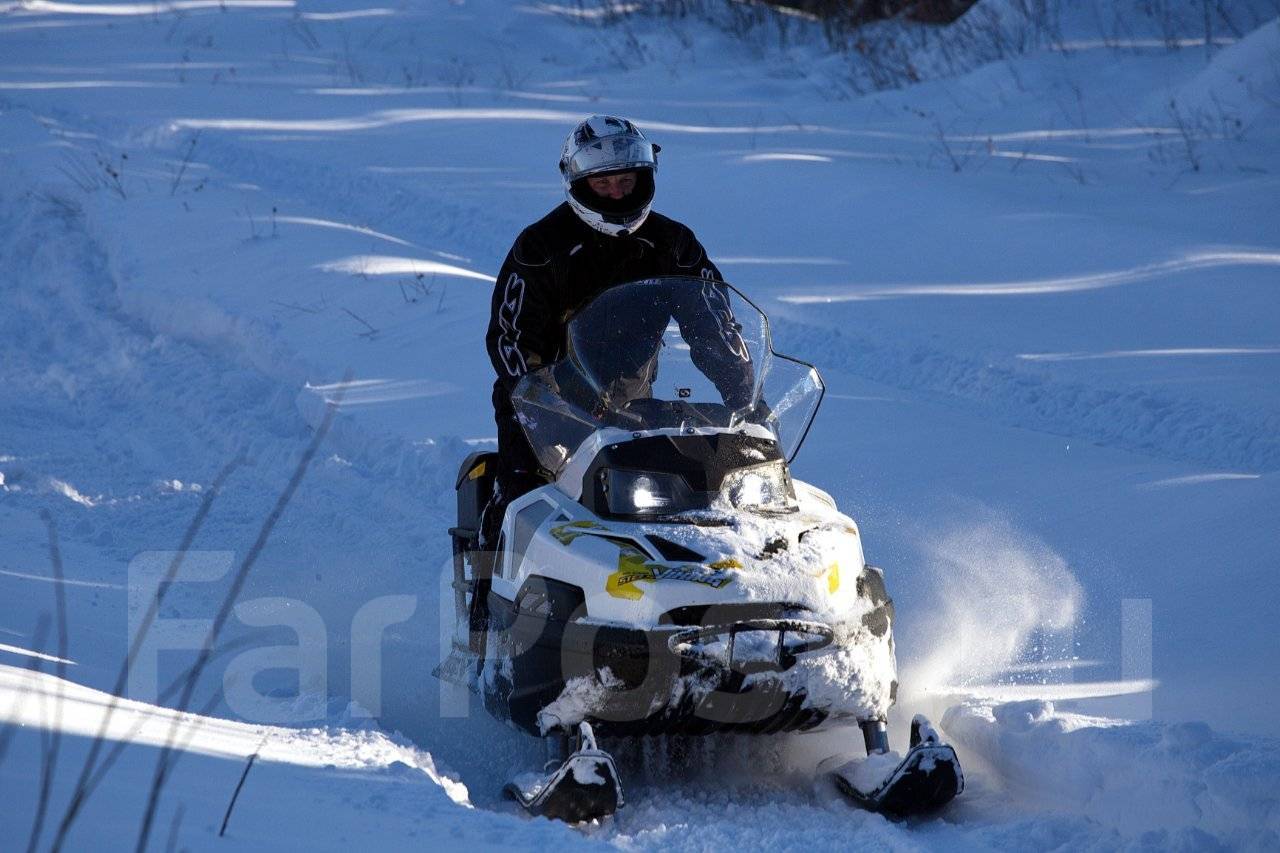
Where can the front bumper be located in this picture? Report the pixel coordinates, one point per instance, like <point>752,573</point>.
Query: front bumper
<point>759,676</point>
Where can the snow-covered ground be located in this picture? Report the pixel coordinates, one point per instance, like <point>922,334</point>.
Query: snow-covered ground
<point>1040,284</point>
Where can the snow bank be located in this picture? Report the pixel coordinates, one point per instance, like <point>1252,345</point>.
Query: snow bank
<point>308,789</point>
<point>1170,785</point>
<point>1243,78</point>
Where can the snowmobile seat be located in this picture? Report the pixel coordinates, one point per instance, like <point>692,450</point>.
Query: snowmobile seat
<point>474,486</point>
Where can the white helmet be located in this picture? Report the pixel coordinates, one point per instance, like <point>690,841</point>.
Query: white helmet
<point>600,145</point>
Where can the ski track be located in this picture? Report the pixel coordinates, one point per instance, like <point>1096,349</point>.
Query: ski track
<point>102,408</point>
<point>1149,422</point>
<point>429,218</point>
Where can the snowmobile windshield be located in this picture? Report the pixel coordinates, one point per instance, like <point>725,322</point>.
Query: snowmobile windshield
<point>672,353</point>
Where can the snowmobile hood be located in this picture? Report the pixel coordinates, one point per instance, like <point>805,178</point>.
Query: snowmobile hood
<point>808,562</point>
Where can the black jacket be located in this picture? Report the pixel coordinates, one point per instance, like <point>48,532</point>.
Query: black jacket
<point>556,266</point>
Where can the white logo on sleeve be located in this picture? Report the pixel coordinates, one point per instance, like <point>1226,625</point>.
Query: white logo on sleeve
<point>508,322</point>
<point>718,304</point>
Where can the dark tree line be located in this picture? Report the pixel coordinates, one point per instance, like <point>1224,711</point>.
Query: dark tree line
<point>857,12</point>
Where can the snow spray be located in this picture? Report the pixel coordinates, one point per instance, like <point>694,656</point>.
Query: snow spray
<point>1001,598</point>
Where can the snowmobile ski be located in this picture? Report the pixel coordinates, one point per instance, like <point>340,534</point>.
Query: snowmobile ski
<point>459,669</point>
<point>927,778</point>
<point>584,788</point>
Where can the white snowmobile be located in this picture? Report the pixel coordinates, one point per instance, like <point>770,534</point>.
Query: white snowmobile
<point>672,577</point>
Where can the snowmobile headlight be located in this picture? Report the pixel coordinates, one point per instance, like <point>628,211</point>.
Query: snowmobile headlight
<point>645,493</point>
<point>760,487</point>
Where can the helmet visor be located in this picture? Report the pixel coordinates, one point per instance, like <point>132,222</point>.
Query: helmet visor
<point>611,154</point>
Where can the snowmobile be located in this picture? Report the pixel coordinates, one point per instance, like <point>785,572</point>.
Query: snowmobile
<point>672,577</point>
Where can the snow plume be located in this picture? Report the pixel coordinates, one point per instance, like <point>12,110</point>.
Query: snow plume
<point>1002,598</point>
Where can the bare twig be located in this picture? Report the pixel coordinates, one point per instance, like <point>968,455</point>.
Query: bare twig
<point>162,762</point>
<point>253,223</point>
<point>1023,157</point>
<point>302,30</point>
<point>50,763</point>
<point>37,645</point>
<point>173,829</point>
<point>944,145</point>
<point>1076,171</point>
<point>118,748</point>
<point>1187,133</point>
<point>196,720</point>
<point>236,794</point>
<point>68,206</point>
<point>79,173</point>
<point>355,76</point>
<point>186,160</point>
<point>459,75</point>
<point>418,287</point>
<point>372,331</point>
<point>82,790</point>
<point>301,308</point>
<point>114,173</point>
<point>416,75</point>
<point>1208,31</point>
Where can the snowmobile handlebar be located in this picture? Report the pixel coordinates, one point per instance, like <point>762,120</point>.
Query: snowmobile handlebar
<point>691,642</point>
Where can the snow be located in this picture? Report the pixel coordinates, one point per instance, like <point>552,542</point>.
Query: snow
<point>581,696</point>
<point>1039,283</point>
<point>996,589</point>
<point>1204,782</point>
<point>587,772</point>
<point>308,788</point>
<point>921,726</point>
<point>868,773</point>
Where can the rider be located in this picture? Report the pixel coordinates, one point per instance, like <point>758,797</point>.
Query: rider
<point>603,234</point>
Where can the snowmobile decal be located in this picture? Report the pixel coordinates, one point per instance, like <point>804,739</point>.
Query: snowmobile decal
<point>833,578</point>
<point>567,533</point>
<point>634,567</point>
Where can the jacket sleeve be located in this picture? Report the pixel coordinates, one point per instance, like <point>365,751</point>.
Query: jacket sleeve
<point>522,316</point>
<point>691,258</point>
<point>523,335</point>
<point>716,344</point>
<point>709,327</point>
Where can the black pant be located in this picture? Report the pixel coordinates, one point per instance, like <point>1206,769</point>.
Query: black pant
<point>508,486</point>
<point>518,470</point>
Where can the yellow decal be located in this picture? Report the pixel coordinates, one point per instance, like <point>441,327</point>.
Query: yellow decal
<point>631,569</point>
<point>833,578</point>
<point>477,472</point>
<point>726,564</point>
<point>566,533</point>
<point>634,567</point>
